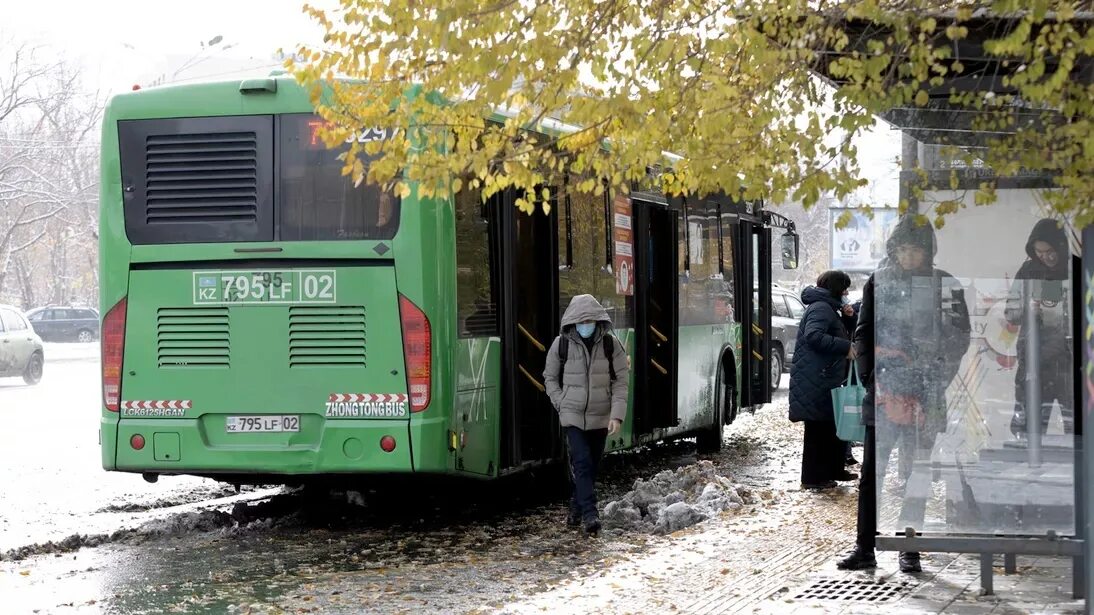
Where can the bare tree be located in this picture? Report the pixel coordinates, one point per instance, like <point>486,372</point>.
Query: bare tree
<point>814,229</point>
<point>48,179</point>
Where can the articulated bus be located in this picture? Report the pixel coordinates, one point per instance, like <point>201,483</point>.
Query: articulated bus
<point>264,320</point>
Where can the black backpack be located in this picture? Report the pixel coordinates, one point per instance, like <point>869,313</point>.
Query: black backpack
<point>564,353</point>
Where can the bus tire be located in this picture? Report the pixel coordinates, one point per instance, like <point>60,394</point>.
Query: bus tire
<point>728,390</point>
<point>709,440</point>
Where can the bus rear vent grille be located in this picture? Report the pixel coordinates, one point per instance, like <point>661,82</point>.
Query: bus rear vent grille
<point>201,178</point>
<point>189,338</point>
<point>327,336</point>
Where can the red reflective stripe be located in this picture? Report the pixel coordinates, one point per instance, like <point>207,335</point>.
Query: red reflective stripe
<point>157,404</point>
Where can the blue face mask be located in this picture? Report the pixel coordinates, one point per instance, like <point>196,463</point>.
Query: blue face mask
<point>586,329</point>
<point>844,300</point>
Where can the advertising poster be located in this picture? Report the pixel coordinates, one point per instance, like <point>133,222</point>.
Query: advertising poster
<point>860,246</point>
<point>622,235</point>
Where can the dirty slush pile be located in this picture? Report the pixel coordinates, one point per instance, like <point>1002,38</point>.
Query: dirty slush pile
<point>675,499</point>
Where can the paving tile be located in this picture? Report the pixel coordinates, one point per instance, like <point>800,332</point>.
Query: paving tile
<point>965,608</point>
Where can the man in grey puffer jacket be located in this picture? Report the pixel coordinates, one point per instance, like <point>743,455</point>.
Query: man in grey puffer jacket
<point>591,403</point>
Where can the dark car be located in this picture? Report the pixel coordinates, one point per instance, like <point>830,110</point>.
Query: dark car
<point>20,348</point>
<point>59,324</point>
<point>786,314</point>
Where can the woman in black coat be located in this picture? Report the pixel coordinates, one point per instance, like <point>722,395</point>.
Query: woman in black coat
<point>820,365</point>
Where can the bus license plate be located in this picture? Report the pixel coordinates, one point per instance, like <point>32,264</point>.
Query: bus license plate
<point>251,424</point>
<point>265,287</point>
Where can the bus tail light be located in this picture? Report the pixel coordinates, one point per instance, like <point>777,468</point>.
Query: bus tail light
<point>113,344</point>
<point>418,347</point>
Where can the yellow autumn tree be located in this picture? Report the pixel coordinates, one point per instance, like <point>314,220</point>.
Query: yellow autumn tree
<point>761,98</point>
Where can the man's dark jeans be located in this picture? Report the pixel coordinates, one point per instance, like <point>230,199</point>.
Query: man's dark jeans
<point>586,448</point>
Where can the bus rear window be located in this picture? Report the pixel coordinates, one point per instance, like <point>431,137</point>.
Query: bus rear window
<point>315,201</point>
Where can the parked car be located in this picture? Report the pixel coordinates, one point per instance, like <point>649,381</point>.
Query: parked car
<point>20,347</point>
<point>786,314</point>
<point>58,324</point>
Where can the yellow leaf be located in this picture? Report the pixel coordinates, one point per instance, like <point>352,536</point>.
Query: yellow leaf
<point>921,98</point>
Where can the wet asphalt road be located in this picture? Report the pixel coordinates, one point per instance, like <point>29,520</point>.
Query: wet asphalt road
<point>52,482</point>
<point>467,547</point>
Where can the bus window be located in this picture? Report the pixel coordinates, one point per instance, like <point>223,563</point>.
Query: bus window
<point>591,272</point>
<point>726,301</point>
<point>476,303</point>
<point>317,202</point>
<point>704,293</point>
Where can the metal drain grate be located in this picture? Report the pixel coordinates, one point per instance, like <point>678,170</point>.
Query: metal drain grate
<point>853,590</point>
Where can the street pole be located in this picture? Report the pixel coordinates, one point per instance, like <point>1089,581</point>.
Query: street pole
<point>1033,375</point>
<point>1085,401</point>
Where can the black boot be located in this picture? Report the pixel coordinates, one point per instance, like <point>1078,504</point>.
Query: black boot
<point>858,559</point>
<point>573,519</point>
<point>592,525</point>
<point>846,476</point>
<point>909,562</point>
<point>828,484</point>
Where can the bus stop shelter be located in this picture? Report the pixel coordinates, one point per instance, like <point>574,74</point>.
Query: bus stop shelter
<point>989,483</point>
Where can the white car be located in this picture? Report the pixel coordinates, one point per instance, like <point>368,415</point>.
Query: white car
<point>20,347</point>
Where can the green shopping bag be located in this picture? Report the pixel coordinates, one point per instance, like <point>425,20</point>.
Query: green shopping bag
<point>847,405</point>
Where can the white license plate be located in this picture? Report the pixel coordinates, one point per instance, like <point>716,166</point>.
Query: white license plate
<point>241,424</point>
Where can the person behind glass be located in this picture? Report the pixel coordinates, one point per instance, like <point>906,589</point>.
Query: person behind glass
<point>913,331</point>
<point>820,365</point>
<point>586,377</point>
<point>1047,267</point>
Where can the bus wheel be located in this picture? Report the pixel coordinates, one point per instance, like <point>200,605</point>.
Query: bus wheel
<point>709,440</point>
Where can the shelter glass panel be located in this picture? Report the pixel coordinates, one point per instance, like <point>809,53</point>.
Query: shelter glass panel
<point>974,372</point>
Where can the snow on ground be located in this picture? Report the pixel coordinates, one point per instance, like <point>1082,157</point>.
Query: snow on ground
<point>675,499</point>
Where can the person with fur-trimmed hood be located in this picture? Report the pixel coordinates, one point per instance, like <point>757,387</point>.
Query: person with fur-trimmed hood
<point>913,331</point>
<point>1046,267</point>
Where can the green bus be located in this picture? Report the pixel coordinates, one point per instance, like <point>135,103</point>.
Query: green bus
<point>264,320</point>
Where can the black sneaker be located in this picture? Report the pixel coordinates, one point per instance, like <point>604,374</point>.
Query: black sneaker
<point>592,526</point>
<point>829,484</point>
<point>909,562</point>
<point>858,559</point>
<point>846,476</point>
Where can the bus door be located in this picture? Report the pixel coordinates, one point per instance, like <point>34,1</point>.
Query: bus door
<point>529,297</point>
<point>753,268</point>
<point>656,345</point>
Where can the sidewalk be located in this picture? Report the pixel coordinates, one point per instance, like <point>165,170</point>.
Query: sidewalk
<point>949,584</point>
<point>780,558</point>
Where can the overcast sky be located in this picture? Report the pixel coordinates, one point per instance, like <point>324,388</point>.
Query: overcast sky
<point>122,42</point>
<point>125,42</point>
